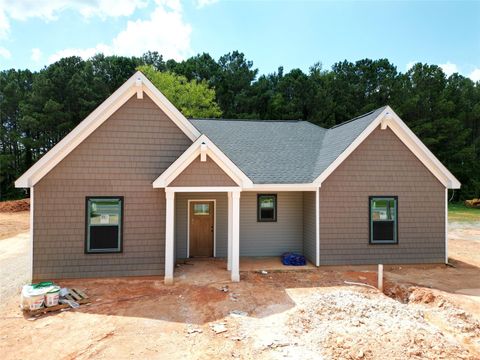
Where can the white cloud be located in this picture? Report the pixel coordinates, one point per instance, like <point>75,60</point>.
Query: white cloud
<point>4,24</point>
<point>410,65</point>
<point>5,53</point>
<point>475,75</point>
<point>203,3</point>
<point>49,10</point>
<point>449,68</point>
<point>36,54</point>
<point>164,31</point>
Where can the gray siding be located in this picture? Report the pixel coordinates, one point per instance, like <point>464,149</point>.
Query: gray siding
<point>271,238</point>
<point>309,226</point>
<point>206,173</point>
<point>121,158</point>
<point>181,221</point>
<point>381,165</point>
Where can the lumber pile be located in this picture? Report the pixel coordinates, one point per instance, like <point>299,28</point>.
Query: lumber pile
<point>474,203</point>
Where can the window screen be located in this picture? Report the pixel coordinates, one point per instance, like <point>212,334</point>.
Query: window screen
<point>383,220</point>
<point>267,207</point>
<point>104,225</point>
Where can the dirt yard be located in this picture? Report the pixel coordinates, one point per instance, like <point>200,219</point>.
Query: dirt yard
<point>431,312</point>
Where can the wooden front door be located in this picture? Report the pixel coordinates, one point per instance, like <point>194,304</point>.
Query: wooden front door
<point>201,228</point>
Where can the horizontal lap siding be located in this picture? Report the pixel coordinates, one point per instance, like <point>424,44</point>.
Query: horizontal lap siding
<point>121,158</point>
<point>381,165</point>
<point>309,226</point>
<point>203,173</point>
<point>181,221</point>
<point>271,238</point>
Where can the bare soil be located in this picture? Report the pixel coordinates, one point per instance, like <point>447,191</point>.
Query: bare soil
<point>428,312</point>
<point>14,206</point>
<point>13,223</point>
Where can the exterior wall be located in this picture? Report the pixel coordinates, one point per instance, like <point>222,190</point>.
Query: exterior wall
<point>181,221</point>
<point>206,173</point>
<point>121,158</point>
<point>271,238</point>
<point>381,165</point>
<point>309,226</point>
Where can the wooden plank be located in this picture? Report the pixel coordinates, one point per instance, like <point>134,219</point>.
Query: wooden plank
<point>73,294</point>
<point>81,293</point>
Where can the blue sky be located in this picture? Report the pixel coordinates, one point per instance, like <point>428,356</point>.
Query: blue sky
<point>34,33</point>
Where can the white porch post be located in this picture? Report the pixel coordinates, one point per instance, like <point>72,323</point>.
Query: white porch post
<point>230,217</point>
<point>236,236</point>
<point>317,226</point>
<point>169,240</point>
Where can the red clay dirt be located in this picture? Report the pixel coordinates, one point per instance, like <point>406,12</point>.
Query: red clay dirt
<point>14,206</point>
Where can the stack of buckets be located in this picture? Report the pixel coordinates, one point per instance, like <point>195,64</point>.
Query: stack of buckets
<point>36,295</point>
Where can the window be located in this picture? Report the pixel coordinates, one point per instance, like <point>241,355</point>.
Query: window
<point>266,207</point>
<point>383,220</point>
<point>104,224</point>
<point>201,209</point>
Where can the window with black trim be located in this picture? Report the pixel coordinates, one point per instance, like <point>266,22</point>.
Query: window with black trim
<point>266,207</point>
<point>383,219</point>
<point>104,223</point>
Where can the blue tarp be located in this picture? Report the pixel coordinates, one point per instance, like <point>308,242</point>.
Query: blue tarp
<point>289,258</point>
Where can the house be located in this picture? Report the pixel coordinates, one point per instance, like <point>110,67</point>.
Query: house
<point>136,186</point>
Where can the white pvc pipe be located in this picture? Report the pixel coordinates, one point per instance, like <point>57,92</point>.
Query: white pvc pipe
<point>380,277</point>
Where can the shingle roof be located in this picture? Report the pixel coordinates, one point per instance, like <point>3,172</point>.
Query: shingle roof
<point>282,151</point>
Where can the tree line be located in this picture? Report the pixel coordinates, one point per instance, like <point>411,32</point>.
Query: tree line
<point>37,109</point>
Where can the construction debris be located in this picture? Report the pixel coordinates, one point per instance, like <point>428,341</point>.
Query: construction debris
<point>47,297</point>
<point>218,328</point>
<point>192,330</point>
<point>238,313</point>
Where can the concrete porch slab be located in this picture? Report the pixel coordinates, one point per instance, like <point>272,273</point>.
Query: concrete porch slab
<point>272,263</point>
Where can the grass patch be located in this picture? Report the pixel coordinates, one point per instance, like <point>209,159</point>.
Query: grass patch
<point>459,212</point>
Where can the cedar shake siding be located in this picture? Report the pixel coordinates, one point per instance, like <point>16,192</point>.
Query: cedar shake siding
<point>309,226</point>
<point>381,165</point>
<point>181,222</point>
<point>271,238</point>
<point>121,158</point>
<point>206,173</point>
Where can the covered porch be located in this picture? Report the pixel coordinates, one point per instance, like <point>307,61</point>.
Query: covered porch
<point>221,224</point>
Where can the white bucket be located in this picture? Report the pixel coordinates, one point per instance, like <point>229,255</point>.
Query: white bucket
<point>51,298</point>
<point>35,302</point>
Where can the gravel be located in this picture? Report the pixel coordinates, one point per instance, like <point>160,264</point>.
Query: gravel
<point>366,325</point>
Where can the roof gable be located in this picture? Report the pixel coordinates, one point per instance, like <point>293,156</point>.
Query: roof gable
<point>204,148</point>
<point>203,173</point>
<point>137,84</point>
<point>386,117</point>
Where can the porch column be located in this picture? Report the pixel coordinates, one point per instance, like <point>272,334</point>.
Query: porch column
<point>230,217</point>
<point>169,241</point>
<point>235,236</point>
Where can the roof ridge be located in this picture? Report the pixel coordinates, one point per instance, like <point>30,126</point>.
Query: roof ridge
<point>357,117</point>
<point>249,120</point>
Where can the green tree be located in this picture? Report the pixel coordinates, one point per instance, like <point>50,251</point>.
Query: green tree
<point>192,98</point>
<point>233,81</point>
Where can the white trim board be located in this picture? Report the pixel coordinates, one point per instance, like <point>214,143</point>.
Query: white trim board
<point>194,151</point>
<point>97,118</point>
<point>388,118</point>
<point>214,224</point>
